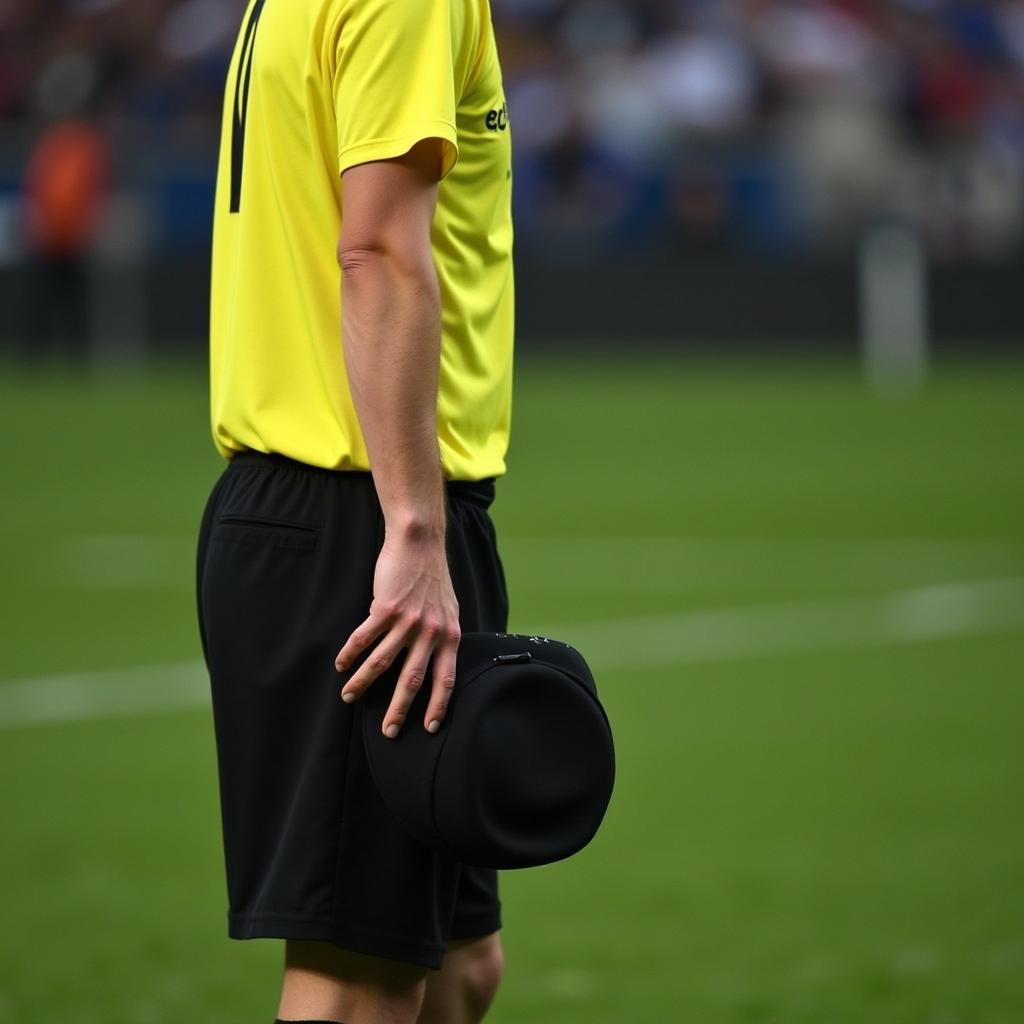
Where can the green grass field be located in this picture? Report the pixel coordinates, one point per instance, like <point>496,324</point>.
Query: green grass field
<point>806,611</point>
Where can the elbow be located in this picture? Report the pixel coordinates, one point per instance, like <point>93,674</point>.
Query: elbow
<point>365,260</point>
<point>353,258</point>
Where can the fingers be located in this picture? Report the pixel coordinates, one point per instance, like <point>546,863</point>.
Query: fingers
<point>443,681</point>
<point>381,639</point>
<point>410,681</point>
<point>375,665</point>
<point>431,640</point>
<point>372,629</point>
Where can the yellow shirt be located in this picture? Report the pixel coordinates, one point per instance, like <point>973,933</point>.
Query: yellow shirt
<point>316,87</point>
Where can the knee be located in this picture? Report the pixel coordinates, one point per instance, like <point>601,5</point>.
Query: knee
<point>482,971</point>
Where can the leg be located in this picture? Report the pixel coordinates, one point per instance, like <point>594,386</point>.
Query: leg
<point>325,983</point>
<point>462,991</point>
<point>39,306</point>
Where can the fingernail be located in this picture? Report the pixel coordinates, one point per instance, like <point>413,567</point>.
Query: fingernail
<point>348,698</point>
<point>391,732</point>
<point>340,666</point>
<point>433,727</point>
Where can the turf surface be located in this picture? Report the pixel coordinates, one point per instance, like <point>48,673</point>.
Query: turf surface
<point>808,605</point>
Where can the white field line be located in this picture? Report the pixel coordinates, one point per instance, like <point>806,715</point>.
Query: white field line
<point>685,638</point>
<point>141,562</point>
<point>680,565</point>
<point>734,634</point>
<point>850,547</point>
<point>114,693</point>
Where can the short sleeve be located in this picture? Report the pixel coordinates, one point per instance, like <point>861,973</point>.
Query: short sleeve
<point>394,80</point>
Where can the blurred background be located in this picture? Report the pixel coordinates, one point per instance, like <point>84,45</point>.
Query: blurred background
<point>767,473</point>
<point>745,147</point>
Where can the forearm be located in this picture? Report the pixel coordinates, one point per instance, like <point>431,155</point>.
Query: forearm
<point>391,328</point>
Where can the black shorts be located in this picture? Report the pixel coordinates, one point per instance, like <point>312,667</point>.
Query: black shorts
<point>285,573</point>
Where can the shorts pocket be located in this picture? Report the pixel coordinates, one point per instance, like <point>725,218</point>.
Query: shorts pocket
<point>261,532</point>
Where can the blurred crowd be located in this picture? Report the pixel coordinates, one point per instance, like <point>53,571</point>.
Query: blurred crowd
<point>679,127</point>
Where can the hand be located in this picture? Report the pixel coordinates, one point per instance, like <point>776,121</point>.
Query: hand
<point>414,607</point>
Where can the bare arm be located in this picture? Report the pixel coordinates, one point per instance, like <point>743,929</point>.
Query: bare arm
<point>391,327</point>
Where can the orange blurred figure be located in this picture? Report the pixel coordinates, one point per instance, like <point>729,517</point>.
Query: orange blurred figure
<point>64,188</point>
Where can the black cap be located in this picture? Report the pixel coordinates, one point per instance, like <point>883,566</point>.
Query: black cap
<point>522,769</point>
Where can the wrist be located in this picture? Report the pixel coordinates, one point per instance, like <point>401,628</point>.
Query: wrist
<point>412,527</point>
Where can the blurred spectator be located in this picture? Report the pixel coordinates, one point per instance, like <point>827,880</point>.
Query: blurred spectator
<point>64,187</point>
<point>647,122</point>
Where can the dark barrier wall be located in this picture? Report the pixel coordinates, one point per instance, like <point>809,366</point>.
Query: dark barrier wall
<point>707,303</point>
<point>772,303</point>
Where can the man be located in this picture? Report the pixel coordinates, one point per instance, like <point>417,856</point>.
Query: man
<point>365,154</point>
<point>64,192</point>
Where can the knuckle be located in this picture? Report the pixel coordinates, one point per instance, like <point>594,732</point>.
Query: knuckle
<point>379,662</point>
<point>389,609</point>
<point>453,634</point>
<point>448,682</point>
<point>431,628</point>
<point>414,681</point>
